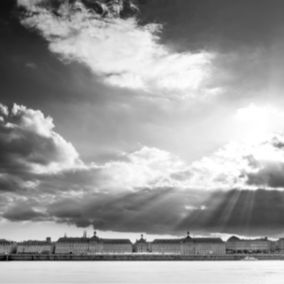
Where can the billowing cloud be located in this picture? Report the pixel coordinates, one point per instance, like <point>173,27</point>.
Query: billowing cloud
<point>42,178</point>
<point>236,165</point>
<point>106,37</point>
<point>243,166</point>
<point>29,144</point>
<point>147,167</point>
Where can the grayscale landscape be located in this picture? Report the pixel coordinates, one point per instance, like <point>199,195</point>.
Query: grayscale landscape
<point>141,141</point>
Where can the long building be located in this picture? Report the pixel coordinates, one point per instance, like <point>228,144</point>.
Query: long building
<point>187,246</point>
<point>93,245</point>
<point>209,246</point>
<point>7,247</point>
<point>76,246</point>
<point>35,247</point>
<point>246,246</point>
<point>166,246</point>
<point>117,246</point>
<point>279,246</point>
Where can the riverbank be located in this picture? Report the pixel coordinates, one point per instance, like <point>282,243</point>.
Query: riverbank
<point>135,257</point>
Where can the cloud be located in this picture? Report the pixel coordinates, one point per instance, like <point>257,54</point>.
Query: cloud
<point>117,48</point>
<point>147,167</point>
<point>42,178</point>
<point>242,166</point>
<point>236,165</point>
<point>155,211</point>
<point>29,144</point>
<point>239,212</point>
<point>269,167</point>
<point>23,212</point>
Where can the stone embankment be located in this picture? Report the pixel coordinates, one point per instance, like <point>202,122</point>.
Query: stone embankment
<point>135,257</point>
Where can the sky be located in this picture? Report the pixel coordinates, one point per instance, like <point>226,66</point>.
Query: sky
<point>128,117</point>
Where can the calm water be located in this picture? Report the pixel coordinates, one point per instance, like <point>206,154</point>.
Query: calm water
<point>239,272</point>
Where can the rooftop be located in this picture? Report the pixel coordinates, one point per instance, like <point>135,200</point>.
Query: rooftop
<point>5,242</point>
<point>208,240</point>
<point>167,241</point>
<point>73,240</point>
<point>34,242</point>
<point>236,239</point>
<point>116,241</point>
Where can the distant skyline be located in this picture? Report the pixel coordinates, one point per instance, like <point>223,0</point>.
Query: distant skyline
<point>126,117</point>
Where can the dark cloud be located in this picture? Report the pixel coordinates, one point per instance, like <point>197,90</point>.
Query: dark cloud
<point>155,210</point>
<point>245,212</point>
<point>270,175</point>
<point>11,182</point>
<point>23,212</point>
<point>104,8</point>
<point>166,210</point>
<point>29,145</point>
<point>123,195</point>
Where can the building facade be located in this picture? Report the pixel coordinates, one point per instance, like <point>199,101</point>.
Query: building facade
<point>95,245</point>
<point>35,247</point>
<point>116,246</point>
<point>141,245</point>
<point>178,246</point>
<point>279,246</point>
<point>7,247</point>
<point>209,246</point>
<point>246,246</point>
<point>166,246</point>
<point>68,245</point>
<point>187,245</point>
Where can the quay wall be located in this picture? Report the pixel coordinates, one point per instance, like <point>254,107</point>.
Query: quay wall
<point>133,257</point>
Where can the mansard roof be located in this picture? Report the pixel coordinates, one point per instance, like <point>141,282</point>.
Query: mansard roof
<point>233,239</point>
<point>187,239</point>
<point>116,241</point>
<point>73,240</point>
<point>208,240</point>
<point>34,242</point>
<point>141,240</point>
<point>5,242</point>
<point>167,241</point>
<point>95,237</point>
<point>236,239</point>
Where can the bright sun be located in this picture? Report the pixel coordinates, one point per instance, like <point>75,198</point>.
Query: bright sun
<point>256,123</point>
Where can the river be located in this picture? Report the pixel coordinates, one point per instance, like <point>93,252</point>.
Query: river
<point>175,272</point>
